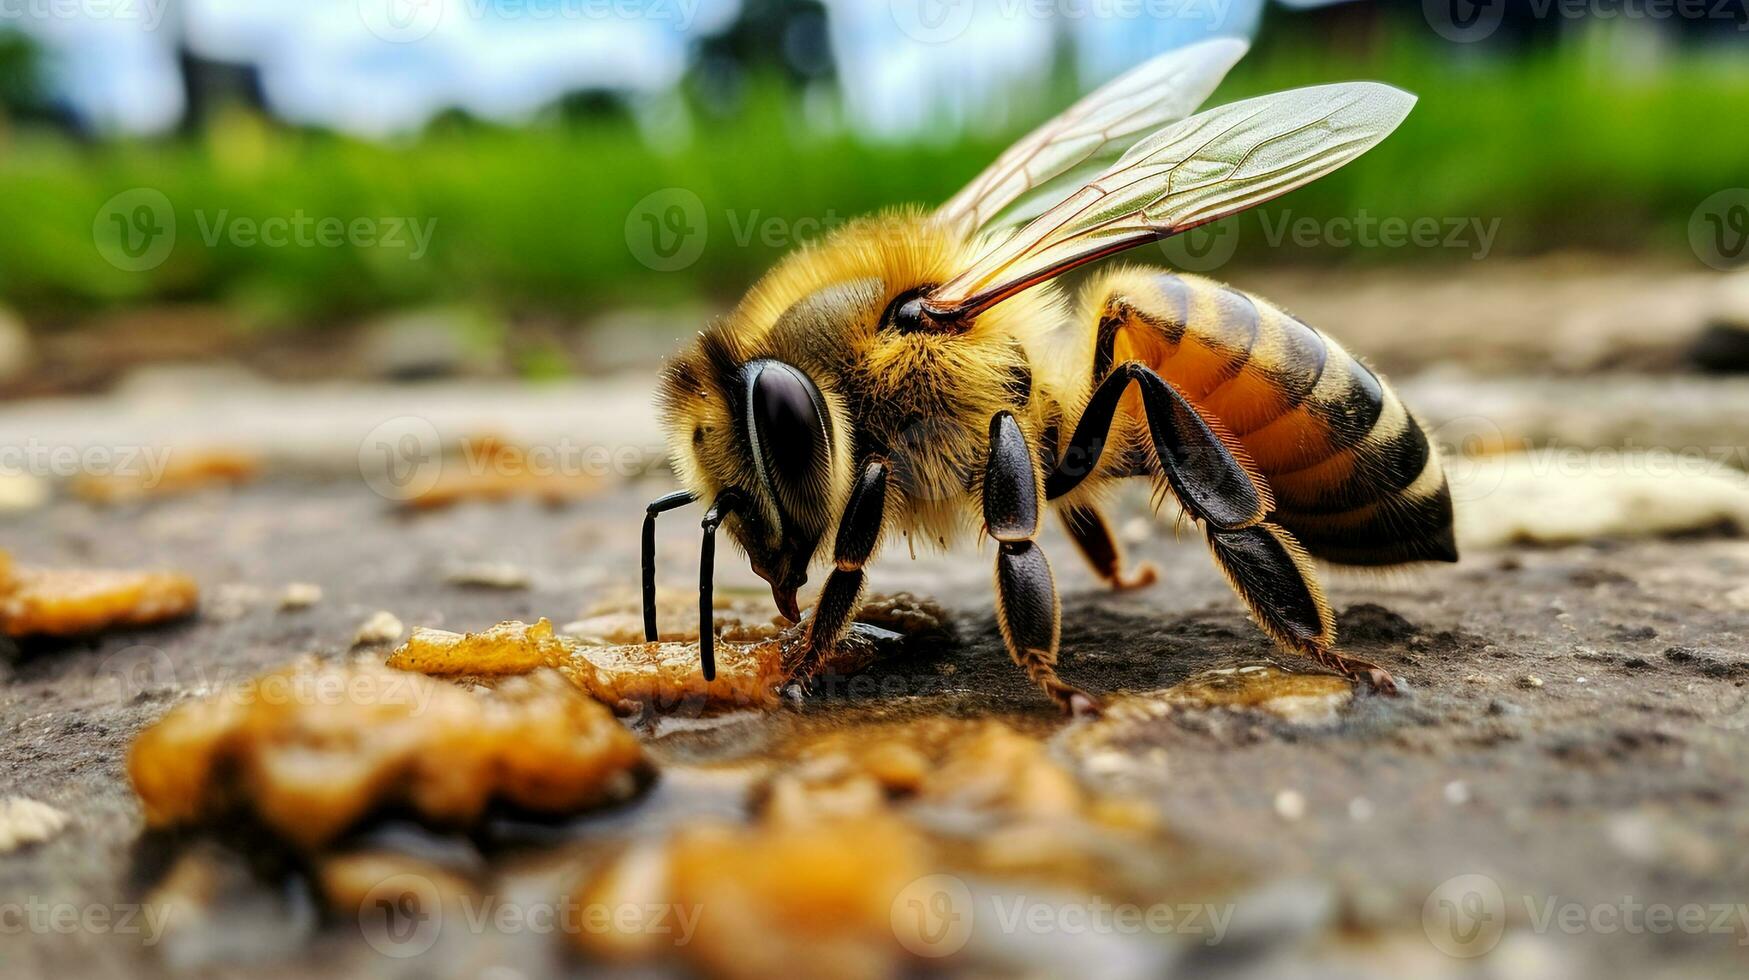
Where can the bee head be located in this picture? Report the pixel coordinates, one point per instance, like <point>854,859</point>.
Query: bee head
<point>758,433</point>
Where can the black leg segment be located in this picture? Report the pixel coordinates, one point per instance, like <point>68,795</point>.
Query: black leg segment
<point>1010,485</point>
<point>726,504</point>
<point>1026,594</point>
<point>1210,477</point>
<point>859,532</point>
<point>1027,611</point>
<point>659,505</point>
<point>1275,581</point>
<point>860,529</point>
<point>1090,532</point>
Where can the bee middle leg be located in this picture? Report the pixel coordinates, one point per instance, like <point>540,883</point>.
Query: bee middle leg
<point>1027,610</point>
<point>859,531</point>
<point>1090,531</point>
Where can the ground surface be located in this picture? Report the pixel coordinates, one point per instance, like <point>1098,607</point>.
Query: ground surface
<point>1617,774</point>
<point>1563,781</point>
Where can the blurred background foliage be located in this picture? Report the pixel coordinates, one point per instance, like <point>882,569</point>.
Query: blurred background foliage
<point>533,218</point>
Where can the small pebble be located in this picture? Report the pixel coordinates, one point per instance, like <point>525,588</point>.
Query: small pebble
<point>1360,809</point>
<point>1290,805</point>
<point>1529,681</point>
<point>488,575</point>
<point>24,821</point>
<point>379,630</point>
<point>231,602</point>
<point>1457,792</point>
<point>299,595</point>
<point>22,491</point>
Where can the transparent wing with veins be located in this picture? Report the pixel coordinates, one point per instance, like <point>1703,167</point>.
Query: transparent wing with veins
<point>1195,171</point>
<point>1039,171</point>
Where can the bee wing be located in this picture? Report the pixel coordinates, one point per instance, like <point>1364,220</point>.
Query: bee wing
<point>1089,135</point>
<point>1192,172</point>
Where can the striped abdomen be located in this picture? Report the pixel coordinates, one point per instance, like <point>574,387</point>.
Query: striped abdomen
<point>1354,476</point>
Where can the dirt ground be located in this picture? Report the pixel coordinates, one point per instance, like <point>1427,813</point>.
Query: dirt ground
<point>1572,724</point>
<point>1560,789</point>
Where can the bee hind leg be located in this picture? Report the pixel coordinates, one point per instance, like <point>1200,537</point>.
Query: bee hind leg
<point>1274,576</point>
<point>1027,610</point>
<point>1089,530</point>
<point>1207,469</point>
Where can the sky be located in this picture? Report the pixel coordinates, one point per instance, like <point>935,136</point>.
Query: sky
<point>379,68</point>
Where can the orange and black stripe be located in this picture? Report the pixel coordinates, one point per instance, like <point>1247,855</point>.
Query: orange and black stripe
<point>1354,477</point>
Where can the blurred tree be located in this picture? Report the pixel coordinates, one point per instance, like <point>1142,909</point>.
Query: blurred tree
<point>21,92</point>
<point>591,105</point>
<point>782,37</point>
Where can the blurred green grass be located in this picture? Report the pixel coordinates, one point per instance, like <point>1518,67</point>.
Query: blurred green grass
<point>1566,146</point>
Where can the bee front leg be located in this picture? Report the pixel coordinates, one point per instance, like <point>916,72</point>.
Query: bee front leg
<point>859,531</point>
<point>1027,610</point>
<point>1089,530</point>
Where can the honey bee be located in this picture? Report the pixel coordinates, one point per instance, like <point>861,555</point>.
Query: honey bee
<point>921,373</point>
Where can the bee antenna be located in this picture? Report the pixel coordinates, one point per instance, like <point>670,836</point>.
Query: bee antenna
<point>657,506</point>
<point>726,503</point>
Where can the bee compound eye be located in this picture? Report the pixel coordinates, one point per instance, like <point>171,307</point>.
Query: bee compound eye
<point>785,414</point>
